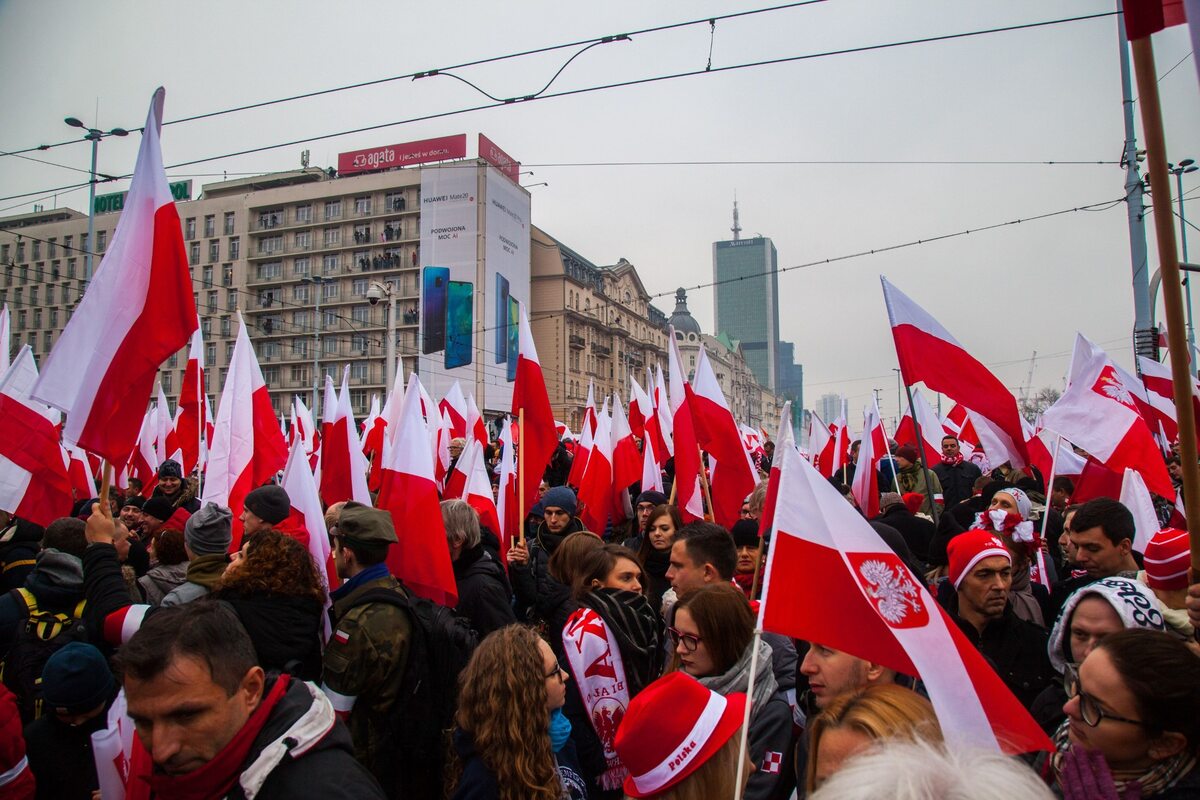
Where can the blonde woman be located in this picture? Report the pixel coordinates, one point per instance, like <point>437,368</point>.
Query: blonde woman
<point>858,720</point>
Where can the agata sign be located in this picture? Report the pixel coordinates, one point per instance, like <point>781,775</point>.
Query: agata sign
<point>402,155</point>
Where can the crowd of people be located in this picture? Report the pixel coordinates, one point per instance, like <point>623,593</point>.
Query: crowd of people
<point>623,662</point>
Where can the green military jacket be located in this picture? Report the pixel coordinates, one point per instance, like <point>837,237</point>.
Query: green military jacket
<point>364,663</point>
<point>912,479</point>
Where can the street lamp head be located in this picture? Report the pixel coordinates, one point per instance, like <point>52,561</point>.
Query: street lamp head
<point>118,132</point>
<point>1187,162</point>
<point>74,123</point>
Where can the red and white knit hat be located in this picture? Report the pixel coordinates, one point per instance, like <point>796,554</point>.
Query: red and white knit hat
<point>968,549</point>
<point>1167,559</point>
<point>672,727</point>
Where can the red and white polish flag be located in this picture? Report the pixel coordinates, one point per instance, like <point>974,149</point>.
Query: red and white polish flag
<point>596,489</point>
<point>929,354</point>
<point>1099,413</point>
<point>1160,396</point>
<point>537,437</point>
<point>651,472</point>
<point>343,466</point>
<point>640,408</point>
<point>688,496</point>
<point>626,461</point>
<point>137,311</point>
<point>192,417</point>
<point>660,427</point>
<point>248,447</point>
<point>454,405</point>
<point>422,557</point>
<point>80,473</point>
<point>476,428</point>
<point>506,503</point>
<point>478,494</point>
<point>306,515</point>
<point>34,484</point>
<point>717,432</point>
<point>784,439</point>
<point>931,430</point>
<point>583,447</point>
<point>830,579</point>
<point>5,339</point>
<point>866,477</point>
<point>143,461</point>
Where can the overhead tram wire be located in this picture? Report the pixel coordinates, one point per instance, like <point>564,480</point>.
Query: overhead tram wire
<point>622,84</point>
<point>603,39</point>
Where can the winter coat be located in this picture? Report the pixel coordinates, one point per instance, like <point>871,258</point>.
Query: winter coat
<point>1016,650</point>
<point>20,542</point>
<point>540,598</point>
<point>654,573</point>
<point>185,499</point>
<point>286,630</point>
<point>912,479</point>
<point>484,596</point>
<point>161,581</point>
<point>61,757</point>
<point>478,782</point>
<point>202,574</point>
<point>917,531</point>
<point>302,751</point>
<point>958,481</point>
<point>57,584</point>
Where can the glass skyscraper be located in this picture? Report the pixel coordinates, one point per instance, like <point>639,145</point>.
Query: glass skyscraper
<point>747,301</point>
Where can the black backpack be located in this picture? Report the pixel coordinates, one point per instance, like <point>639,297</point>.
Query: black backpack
<point>39,636</point>
<point>422,717</point>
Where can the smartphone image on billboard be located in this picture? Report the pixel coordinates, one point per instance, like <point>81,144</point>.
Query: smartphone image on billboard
<point>433,309</point>
<point>501,318</point>
<point>514,336</point>
<point>460,319</point>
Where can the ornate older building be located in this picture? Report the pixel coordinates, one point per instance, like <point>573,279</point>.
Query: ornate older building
<point>590,322</point>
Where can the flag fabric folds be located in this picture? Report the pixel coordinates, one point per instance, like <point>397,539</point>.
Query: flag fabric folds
<point>824,556</point>
<point>716,431</point>
<point>537,437</point>
<point>33,476</point>
<point>137,311</point>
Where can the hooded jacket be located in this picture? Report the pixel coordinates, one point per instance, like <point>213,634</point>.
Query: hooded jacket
<point>161,580</point>
<point>20,543</point>
<point>484,596</point>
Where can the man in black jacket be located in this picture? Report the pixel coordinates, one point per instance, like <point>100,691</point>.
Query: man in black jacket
<point>216,725</point>
<point>484,596</point>
<point>917,531</point>
<point>981,573</point>
<point>956,474</point>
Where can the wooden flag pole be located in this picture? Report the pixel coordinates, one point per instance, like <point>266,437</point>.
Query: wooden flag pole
<point>933,509</point>
<point>1164,229</point>
<point>105,478</point>
<point>711,515</point>
<point>521,478</point>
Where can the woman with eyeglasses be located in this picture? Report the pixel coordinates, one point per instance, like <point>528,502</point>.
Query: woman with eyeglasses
<point>1133,717</point>
<point>511,739</point>
<point>713,639</point>
<point>616,625</point>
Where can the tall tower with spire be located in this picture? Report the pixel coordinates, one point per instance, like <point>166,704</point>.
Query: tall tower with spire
<point>737,226</point>
<point>746,298</point>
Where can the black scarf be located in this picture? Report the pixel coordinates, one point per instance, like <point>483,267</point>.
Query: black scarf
<point>639,631</point>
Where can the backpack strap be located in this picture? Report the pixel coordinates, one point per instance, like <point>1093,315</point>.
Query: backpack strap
<point>27,597</point>
<point>24,562</point>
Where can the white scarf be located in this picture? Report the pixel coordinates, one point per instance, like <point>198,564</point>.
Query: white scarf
<point>599,674</point>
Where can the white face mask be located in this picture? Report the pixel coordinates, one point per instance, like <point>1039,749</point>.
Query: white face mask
<point>998,516</point>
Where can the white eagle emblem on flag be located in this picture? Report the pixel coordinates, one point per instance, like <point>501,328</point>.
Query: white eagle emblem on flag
<point>891,590</point>
<point>1109,384</point>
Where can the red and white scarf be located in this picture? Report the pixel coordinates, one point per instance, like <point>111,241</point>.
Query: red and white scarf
<point>599,674</point>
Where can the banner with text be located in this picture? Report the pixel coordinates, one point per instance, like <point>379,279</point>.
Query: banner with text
<point>402,155</point>
<point>506,261</point>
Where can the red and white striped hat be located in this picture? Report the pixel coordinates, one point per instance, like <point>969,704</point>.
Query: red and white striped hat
<point>1167,558</point>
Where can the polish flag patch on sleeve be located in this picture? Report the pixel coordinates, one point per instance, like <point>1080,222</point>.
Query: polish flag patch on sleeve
<point>340,636</point>
<point>771,762</point>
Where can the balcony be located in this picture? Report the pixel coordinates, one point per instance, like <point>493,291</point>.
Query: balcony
<point>602,351</point>
<point>576,341</point>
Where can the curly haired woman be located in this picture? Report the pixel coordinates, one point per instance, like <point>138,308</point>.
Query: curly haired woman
<point>512,740</point>
<point>273,585</point>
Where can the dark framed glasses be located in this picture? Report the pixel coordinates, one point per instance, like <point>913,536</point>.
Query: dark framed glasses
<point>557,672</point>
<point>1089,707</point>
<point>689,640</point>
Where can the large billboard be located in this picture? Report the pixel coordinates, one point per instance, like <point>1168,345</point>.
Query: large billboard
<point>390,156</point>
<point>468,304</point>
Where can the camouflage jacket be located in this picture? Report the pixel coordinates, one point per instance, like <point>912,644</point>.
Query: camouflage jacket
<point>364,663</point>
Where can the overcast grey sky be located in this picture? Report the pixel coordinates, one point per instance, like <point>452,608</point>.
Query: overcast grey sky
<point>1046,94</point>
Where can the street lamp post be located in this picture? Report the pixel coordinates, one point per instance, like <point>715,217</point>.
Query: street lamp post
<point>1179,170</point>
<point>379,291</point>
<point>317,282</point>
<point>93,135</point>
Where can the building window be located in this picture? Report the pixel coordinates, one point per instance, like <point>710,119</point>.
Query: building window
<point>358,344</point>
<point>205,327</point>
<point>20,320</point>
<point>361,314</point>
<point>360,287</point>
<point>300,267</point>
<point>227,275</point>
<point>269,269</point>
<point>362,205</point>
<point>229,216</point>
<point>194,253</point>
<point>212,301</point>
<point>358,399</point>
<point>330,345</point>
<point>54,318</point>
<point>49,295</point>
<point>226,326</point>
<point>330,319</point>
<point>189,228</point>
<point>303,239</point>
<point>231,299</point>
<point>33,296</point>
<point>52,248</point>
<point>270,244</point>
<point>270,219</point>
<point>333,209</point>
<point>48,342</point>
<point>358,370</point>
<point>271,376</point>
<point>362,234</point>
<point>207,274</point>
<point>214,250</point>
<point>301,320</point>
<point>267,297</point>
<point>299,374</point>
<point>394,201</point>
<point>101,241</point>
<point>166,382</point>
<point>330,291</point>
<point>300,293</point>
<point>210,353</point>
<point>300,347</point>
<point>235,248</point>
<point>37,249</point>
<point>304,213</point>
<point>332,236</point>
<point>329,264</point>
<point>37,318</point>
<point>210,225</point>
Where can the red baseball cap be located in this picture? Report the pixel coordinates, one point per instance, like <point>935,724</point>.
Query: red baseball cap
<point>968,549</point>
<point>672,727</point>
